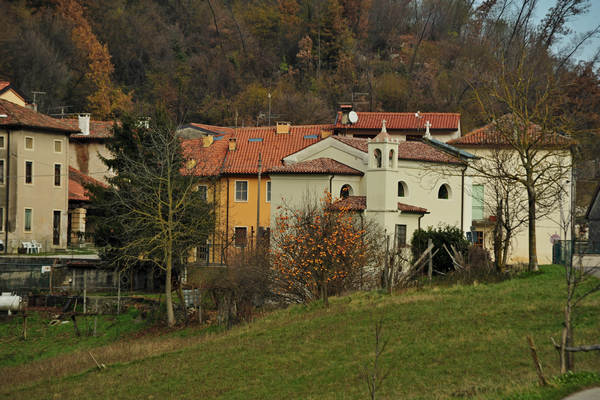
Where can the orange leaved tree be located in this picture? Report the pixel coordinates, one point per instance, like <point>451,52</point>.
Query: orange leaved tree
<point>319,247</point>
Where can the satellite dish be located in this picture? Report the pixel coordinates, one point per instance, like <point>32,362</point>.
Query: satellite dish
<point>353,117</point>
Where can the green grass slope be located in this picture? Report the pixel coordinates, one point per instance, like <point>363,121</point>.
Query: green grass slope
<point>456,342</point>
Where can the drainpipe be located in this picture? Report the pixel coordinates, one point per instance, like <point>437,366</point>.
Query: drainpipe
<point>462,200</point>
<point>330,187</point>
<point>7,186</point>
<point>419,221</point>
<point>258,197</point>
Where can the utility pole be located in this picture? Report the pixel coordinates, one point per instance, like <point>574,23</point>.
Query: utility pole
<point>35,93</point>
<point>269,124</point>
<point>258,199</point>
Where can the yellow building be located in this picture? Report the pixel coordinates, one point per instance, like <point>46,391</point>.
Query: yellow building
<point>229,164</point>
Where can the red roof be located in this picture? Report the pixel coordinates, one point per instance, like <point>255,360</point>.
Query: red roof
<point>76,181</point>
<point>350,203</point>
<point>407,150</point>
<point>219,130</point>
<point>402,121</point>
<point>316,166</point>
<point>23,117</point>
<point>98,129</point>
<point>208,161</point>
<point>492,135</point>
<point>273,147</point>
<point>407,208</point>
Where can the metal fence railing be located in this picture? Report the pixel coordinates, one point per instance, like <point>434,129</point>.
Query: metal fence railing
<point>561,250</point>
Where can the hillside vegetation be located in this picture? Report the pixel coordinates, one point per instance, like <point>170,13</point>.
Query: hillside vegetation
<point>453,342</point>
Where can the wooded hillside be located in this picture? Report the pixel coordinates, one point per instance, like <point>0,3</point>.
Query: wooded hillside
<point>215,61</point>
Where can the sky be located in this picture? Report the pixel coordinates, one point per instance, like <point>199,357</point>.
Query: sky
<point>580,24</point>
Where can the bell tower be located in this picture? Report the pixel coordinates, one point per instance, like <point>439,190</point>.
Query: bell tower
<point>383,163</point>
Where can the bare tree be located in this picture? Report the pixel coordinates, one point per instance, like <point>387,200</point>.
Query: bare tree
<point>151,212</point>
<point>528,125</point>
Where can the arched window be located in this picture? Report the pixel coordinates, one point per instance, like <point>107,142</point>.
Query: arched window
<point>346,191</point>
<point>377,154</point>
<point>402,189</point>
<point>391,159</point>
<point>444,192</point>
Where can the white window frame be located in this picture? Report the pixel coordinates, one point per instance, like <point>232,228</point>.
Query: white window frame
<point>205,191</point>
<point>3,142</point>
<point>61,146</point>
<point>268,192</point>
<point>235,236</point>
<point>235,197</point>
<point>32,143</point>
<point>25,219</point>
<point>25,173</point>
<point>54,175</point>
<point>3,172</point>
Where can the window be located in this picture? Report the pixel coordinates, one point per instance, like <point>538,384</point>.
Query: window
<point>28,143</point>
<point>202,192</point>
<point>241,190</point>
<point>377,155</point>
<point>2,219</point>
<point>475,237</point>
<point>57,168</point>
<point>241,236</point>
<point>477,194</point>
<point>391,159</point>
<point>28,219</point>
<point>346,191</point>
<point>2,172</point>
<point>1,142</point>
<point>444,192</point>
<point>402,189</point>
<point>268,191</point>
<point>29,172</point>
<point>58,146</point>
<point>400,236</point>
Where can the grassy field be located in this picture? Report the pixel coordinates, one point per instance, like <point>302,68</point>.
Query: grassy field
<point>453,342</point>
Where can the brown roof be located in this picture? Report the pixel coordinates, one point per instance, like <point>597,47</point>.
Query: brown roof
<point>208,161</point>
<point>77,180</point>
<point>407,150</point>
<point>407,208</point>
<point>402,121</point>
<point>350,203</point>
<point>316,166</point>
<point>23,117</point>
<point>219,130</point>
<point>98,129</point>
<point>272,146</point>
<point>491,135</point>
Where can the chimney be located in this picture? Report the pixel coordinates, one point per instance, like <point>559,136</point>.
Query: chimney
<point>207,140</point>
<point>283,127</point>
<point>84,123</point>
<point>345,109</point>
<point>427,133</point>
<point>232,144</point>
<point>325,133</point>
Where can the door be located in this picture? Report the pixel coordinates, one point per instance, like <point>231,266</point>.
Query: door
<point>56,229</point>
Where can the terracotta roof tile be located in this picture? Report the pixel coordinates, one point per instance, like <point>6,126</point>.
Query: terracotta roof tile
<point>350,203</point>
<point>218,130</point>
<point>273,147</point>
<point>77,180</point>
<point>316,166</point>
<point>407,150</point>
<point>407,208</point>
<point>98,129</point>
<point>490,135</point>
<point>402,121</point>
<point>23,117</point>
<point>208,161</point>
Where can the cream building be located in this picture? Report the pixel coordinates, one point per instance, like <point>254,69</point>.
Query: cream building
<point>554,171</point>
<point>402,185</point>
<point>34,183</point>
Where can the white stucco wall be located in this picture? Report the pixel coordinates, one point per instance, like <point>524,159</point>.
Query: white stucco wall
<point>546,226</point>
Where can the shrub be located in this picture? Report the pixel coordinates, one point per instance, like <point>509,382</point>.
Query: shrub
<point>443,235</point>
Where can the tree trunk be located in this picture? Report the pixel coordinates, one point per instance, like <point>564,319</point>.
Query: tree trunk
<point>324,292</point>
<point>168,293</point>
<point>565,357</point>
<point>533,262</point>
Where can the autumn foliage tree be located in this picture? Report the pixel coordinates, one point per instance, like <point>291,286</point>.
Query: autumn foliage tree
<point>319,247</point>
